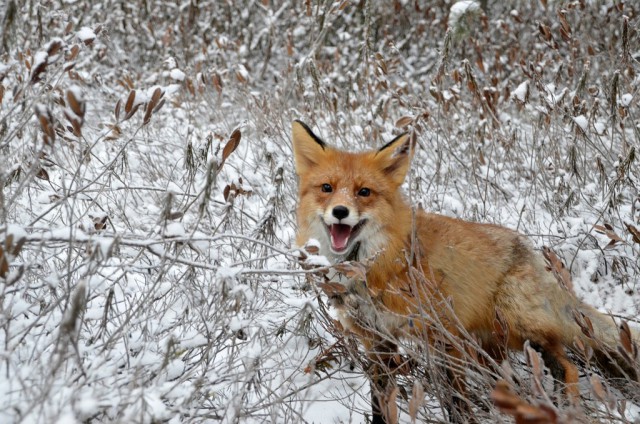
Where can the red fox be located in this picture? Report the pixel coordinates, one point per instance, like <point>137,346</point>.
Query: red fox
<point>427,268</point>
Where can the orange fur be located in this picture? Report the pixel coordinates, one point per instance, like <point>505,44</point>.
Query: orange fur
<point>428,268</point>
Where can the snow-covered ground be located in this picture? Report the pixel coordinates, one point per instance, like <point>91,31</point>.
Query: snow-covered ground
<point>147,190</point>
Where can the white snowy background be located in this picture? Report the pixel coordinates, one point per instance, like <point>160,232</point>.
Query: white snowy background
<point>147,189</point>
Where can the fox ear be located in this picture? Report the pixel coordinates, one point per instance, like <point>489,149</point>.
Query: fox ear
<point>395,156</point>
<point>308,148</point>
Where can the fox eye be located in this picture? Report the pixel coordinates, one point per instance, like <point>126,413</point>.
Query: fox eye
<point>364,192</point>
<point>326,188</point>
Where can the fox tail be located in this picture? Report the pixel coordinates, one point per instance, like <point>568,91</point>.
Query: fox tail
<point>614,347</point>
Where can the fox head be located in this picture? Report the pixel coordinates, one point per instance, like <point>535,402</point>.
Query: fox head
<point>349,199</point>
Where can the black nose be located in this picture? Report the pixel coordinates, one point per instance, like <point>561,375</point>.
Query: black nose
<point>340,212</point>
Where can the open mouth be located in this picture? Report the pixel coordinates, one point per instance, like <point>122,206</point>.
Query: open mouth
<point>341,234</point>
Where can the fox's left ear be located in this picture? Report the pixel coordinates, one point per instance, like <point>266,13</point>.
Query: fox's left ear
<point>308,148</point>
<point>394,157</point>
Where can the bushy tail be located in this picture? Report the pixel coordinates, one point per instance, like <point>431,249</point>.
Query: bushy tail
<point>615,347</point>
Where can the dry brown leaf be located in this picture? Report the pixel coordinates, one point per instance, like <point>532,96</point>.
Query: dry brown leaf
<point>545,31</point>
<point>457,76</point>
<point>116,111</point>
<point>563,21</point>
<point>354,270</point>
<point>54,47</point>
<point>607,230</point>
<point>132,112</point>
<point>73,53</point>
<point>533,359</point>
<point>130,99</point>
<point>147,114</point>
<point>8,241</point>
<point>556,266</point>
<point>391,406</point>
<point>312,249</point>
<point>635,233</point>
<point>4,264</point>
<point>172,216</point>
<point>598,388</point>
<point>14,248</point>
<point>150,107</point>
<point>77,106</point>
<point>39,69</point>
<point>585,323</point>
<point>76,126</point>
<point>159,106</point>
<point>531,414</point>
<point>626,340</point>
<point>100,222</point>
<point>416,401</point>
<point>225,192</point>
<point>404,121</point>
<point>504,398</point>
<point>480,63</point>
<point>75,76</point>
<point>231,146</point>
<point>332,289</point>
<point>46,124</point>
<point>523,412</point>
<point>156,96</point>
<point>500,326</point>
<point>217,82</point>
<point>190,86</point>
<point>42,174</point>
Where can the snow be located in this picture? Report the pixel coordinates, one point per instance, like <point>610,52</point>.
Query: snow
<point>554,98</point>
<point>521,93</point>
<point>39,58</point>
<point>582,122</point>
<point>317,260</point>
<point>86,34</point>
<point>301,303</point>
<point>77,92</point>
<point>625,99</point>
<point>67,418</point>
<point>174,229</point>
<point>243,72</point>
<point>17,231</point>
<point>228,273</point>
<point>600,127</point>
<point>171,89</point>
<point>461,8</point>
<point>103,245</point>
<point>452,206</point>
<point>177,75</point>
<point>87,406</point>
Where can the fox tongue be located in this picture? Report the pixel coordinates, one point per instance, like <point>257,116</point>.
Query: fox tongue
<point>339,236</point>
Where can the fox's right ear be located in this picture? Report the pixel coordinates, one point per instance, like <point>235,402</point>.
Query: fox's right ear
<point>394,157</point>
<point>307,147</point>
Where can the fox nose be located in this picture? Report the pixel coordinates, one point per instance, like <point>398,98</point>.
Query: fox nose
<point>340,212</point>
